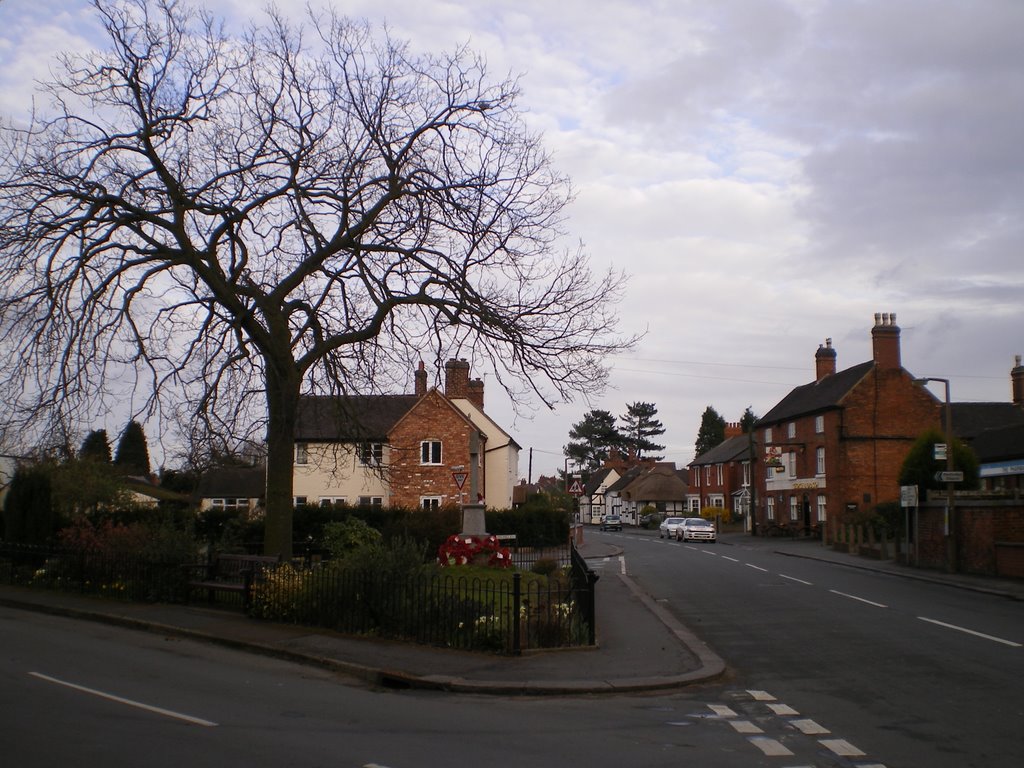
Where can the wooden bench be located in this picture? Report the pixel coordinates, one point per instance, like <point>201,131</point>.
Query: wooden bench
<point>228,573</point>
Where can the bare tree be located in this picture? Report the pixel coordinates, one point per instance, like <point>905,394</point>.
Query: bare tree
<point>233,221</point>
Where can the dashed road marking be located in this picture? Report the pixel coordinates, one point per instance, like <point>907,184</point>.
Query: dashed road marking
<point>761,696</point>
<point>794,578</point>
<point>721,710</point>
<point>770,747</point>
<point>744,726</point>
<point>858,599</point>
<point>982,635</point>
<point>730,559</point>
<point>756,567</point>
<point>841,747</point>
<point>782,709</point>
<point>809,727</point>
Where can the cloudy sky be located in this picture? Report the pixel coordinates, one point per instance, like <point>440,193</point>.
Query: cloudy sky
<point>769,172</point>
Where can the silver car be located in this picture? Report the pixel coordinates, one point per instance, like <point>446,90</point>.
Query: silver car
<point>668,527</point>
<point>696,529</point>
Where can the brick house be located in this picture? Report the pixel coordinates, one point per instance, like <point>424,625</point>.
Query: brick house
<point>405,450</point>
<point>721,477</point>
<point>834,447</point>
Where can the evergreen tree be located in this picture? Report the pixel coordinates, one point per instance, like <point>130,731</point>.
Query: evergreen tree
<point>96,447</point>
<point>132,456</point>
<point>920,465</point>
<point>29,515</point>
<point>639,426</point>
<point>712,431</point>
<point>748,420</point>
<point>591,439</point>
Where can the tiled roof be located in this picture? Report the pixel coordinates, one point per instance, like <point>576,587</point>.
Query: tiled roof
<point>817,396</point>
<point>240,482</point>
<point>658,484</point>
<point>971,419</point>
<point>1002,444</point>
<point>730,449</point>
<point>355,417</point>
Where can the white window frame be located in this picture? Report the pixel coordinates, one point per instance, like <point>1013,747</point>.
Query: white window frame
<point>371,454</point>
<point>794,508</point>
<point>430,503</point>
<point>329,500</point>
<point>431,452</point>
<point>791,460</point>
<point>819,424</point>
<point>746,473</point>
<point>302,454</point>
<point>822,500</point>
<point>770,503</point>
<point>767,435</point>
<point>371,501</point>
<point>791,430</point>
<point>299,501</point>
<point>718,467</point>
<point>819,458</point>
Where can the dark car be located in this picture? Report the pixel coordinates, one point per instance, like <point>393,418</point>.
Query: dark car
<point>611,523</point>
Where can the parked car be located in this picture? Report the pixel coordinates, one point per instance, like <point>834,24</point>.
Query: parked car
<point>667,529</point>
<point>696,529</point>
<point>611,523</point>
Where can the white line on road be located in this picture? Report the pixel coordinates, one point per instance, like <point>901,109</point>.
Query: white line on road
<point>756,567</point>
<point>709,552</point>
<point>809,727</point>
<point>721,710</point>
<point>622,564</point>
<point>794,578</point>
<point>782,709</point>
<point>744,726</point>
<point>761,696</point>
<point>129,702</point>
<point>841,747</point>
<point>859,599</point>
<point>770,747</point>
<point>971,632</point>
<point>730,559</point>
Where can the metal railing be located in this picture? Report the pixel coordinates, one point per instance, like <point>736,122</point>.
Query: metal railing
<point>510,612</point>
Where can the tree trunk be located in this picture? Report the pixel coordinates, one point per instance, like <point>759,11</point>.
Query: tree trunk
<point>282,412</point>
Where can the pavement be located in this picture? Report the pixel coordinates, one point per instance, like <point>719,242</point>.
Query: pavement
<point>641,646</point>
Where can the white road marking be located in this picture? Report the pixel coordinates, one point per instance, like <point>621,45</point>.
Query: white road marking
<point>622,564</point>
<point>809,727</point>
<point>129,702</point>
<point>770,747</point>
<point>1010,643</point>
<point>859,599</point>
<point>841,747</point>
<point>709,552</point>
<point>730,559</point>
<point>744,726</point>
<point>794,578</point>
<point>756,567</point>
<point>721,710</point>
<point>782,709</point>
<point>761,696</point>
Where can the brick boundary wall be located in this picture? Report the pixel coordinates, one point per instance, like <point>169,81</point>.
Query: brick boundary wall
<point>990,536</point>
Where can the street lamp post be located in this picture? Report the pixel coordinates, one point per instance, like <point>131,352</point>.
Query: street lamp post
<point>950,497</point>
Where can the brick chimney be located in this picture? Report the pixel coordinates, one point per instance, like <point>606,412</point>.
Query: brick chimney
<point>456,379</point>
<point>421,380</point>
<point>1017,382</point>
<point>476,393</point>
<point>824,360</point>
<point>733,429</point>
<point>885,341</point>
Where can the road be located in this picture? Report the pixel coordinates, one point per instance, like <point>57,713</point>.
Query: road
<point>829,668</point>
<point>911,673</point>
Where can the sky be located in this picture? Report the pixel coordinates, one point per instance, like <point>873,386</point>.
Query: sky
<point>769,173</point>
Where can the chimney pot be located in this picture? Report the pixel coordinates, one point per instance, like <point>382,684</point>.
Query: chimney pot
<point>885,341</point>
<point>1017,382</point>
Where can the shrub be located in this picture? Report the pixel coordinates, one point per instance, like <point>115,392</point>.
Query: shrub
<point>340,538</point>
<point>545,566</point>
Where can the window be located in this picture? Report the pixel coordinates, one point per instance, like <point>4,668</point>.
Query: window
<point>695,506</point>
<point>430,503</point>
<point>371,501</point>
<point>767,435</point>
<point>327,501</point>
<point>791,430</point>
<point>230,504</point>
<point>300,501</point>
<point>819,424</point>
<point>771,507</point>
<point>717,501</point>
<point>791,460</point>
<point>820,459</point>
<point>719,468</point>
<point>371,454</point>
<point>821,509</point>
<point>301,453</point>
<point>794,508</point>
<point>746,473</point>
<point>430,452</point>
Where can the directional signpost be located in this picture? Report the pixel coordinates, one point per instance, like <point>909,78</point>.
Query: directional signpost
<point>949,477</point>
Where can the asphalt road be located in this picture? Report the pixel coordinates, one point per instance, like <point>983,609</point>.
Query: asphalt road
<point>910,673</point>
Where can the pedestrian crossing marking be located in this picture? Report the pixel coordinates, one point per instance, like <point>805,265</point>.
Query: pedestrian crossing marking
<point>782,709</point>
<point>744,726</point>
<point>721,710</point>
<point>841,747</point>
<point>809,727</point>
<point>770,747</point>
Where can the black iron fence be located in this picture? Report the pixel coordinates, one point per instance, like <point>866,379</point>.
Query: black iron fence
<point>508,612</point>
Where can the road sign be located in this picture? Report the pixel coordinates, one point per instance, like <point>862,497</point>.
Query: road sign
<point>939,451</point>
<point>949,477</point>
<point>460,478</point>
<point>908,495</point>
<point>576,489</point>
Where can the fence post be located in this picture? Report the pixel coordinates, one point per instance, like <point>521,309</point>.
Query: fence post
<point>517,602</point>
<point>592,605</point>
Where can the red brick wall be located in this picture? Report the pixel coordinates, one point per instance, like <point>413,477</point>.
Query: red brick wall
<point>990,537</point>
<point>431,419</point>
